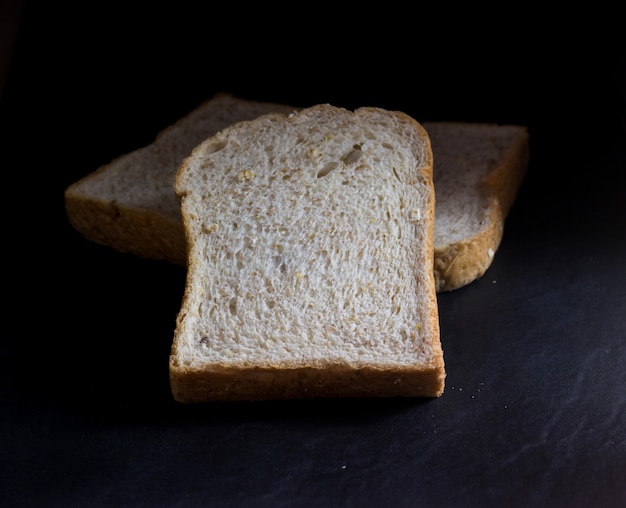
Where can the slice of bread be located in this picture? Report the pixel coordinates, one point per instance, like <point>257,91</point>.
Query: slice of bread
<point>310,255</point>
<point>130,204</point>
<point>479,169</point>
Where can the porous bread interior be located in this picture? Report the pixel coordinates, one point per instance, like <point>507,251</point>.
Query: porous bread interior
<point>143,179</point>
<point>310,244</point>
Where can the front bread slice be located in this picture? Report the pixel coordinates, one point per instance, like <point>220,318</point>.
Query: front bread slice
<point>310,260</point>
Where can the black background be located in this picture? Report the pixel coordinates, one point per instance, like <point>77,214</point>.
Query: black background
<point>534,412</point>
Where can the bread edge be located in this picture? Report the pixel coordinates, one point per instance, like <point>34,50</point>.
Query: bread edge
<point>126,229</point>
<point>196,386</point>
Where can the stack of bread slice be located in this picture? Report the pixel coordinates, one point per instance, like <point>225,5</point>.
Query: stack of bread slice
<point>315,240</point>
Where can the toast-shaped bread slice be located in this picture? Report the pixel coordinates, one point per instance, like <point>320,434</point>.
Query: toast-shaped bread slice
<point>479,169</point>
<point>129,204</point>
<point>309,260</point>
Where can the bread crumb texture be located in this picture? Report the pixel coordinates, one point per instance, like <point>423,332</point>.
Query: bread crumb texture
<point>309,241</point>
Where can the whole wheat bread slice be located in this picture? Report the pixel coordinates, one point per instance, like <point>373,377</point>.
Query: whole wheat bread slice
<point>129,204</point>
<point>479,169</point>
<point>309,260</point>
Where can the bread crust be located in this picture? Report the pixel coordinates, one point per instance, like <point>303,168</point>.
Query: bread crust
<point>254,384</point>
<point>140,231</point>
<point>461,263</point>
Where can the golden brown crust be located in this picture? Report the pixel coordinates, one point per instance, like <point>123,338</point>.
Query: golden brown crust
<point>137,231</point>
<point>192,386</point>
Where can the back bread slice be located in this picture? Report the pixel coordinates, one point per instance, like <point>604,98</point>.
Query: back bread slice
<point>310,255</point>
<point>129,204</point>
<point>479,169</point>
